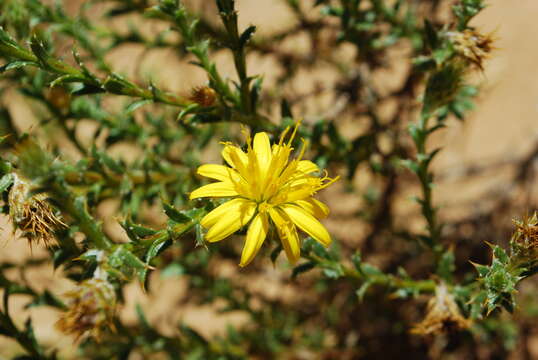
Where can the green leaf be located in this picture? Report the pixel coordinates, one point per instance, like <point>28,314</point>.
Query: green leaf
<point>356,258</point>
<point>334,272</point>
<point>187,110</point>
<point>199,235</point>
<point>246,35</point>
<point>173,270</point>
<point>46,298</point>
<point>157,247</point>
<point>136,232</point>
<point>481,269</point>
<point>142,320</point>
<point>276,251</point>
<point>175,214</point>
<point>446,265</point>
<point>5,182</point>
<point>431,35</point>
<point>501,255</point>
<point>116,84</point>
<point>370,270</point>
<point>16,65</point>
<point>362,290</point>
<point>136,104</point>
<point>302,268</point>
<point>128,263</point>
<point>106,160</point>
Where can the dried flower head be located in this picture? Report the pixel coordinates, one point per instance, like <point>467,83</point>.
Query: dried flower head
<point>472,46</point>
<point>443,314</point>
<point>32,213</point>
<point>203,96</point>
<point>91,309</point>
<point>265,184</point>
<point>524,241</point>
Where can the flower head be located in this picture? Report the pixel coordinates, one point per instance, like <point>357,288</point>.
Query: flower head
<point>203,96</point>
<point>91,308</point>
<point>266,186</point>
<point>32,213</point>
<point>472,46</point>
<point>524,241</point>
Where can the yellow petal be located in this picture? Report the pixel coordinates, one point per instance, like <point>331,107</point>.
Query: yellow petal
<point>314,207</point>
<point>307,223</point>
<point>257,231</point>
<point>262,148</point>
<point>231,222</point>
<point>307,167</point>
<point>217,172</point>
<point>217,213</point>
<point>235,157</point>
<point>287,233</point>
<point>218,189</point>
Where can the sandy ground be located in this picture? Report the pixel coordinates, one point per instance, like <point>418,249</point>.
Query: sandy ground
<point>503,126</point>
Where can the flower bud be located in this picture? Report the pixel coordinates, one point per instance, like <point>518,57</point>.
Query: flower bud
<point>203,96</point>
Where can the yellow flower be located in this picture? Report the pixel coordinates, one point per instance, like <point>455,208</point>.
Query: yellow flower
<point>265,186</point>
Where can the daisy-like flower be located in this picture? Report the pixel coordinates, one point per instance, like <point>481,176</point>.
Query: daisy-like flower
<point>265,186</point>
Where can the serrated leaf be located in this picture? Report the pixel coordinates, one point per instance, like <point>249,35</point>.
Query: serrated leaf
<point>128,263</point>
<point>481,269</point>
<point>157,247</point>
<point>175,214</point>
<point>501,255</point>
<point>135,231</point>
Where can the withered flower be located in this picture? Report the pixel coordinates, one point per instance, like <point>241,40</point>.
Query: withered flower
<point>91,309</point>
<point>443,315</point>
<point>32,213</point>
<point>524,241</point>
<point>203,96</point>
<point>472,46</point>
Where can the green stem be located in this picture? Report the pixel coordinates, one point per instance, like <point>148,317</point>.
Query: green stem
<point>77,208</point>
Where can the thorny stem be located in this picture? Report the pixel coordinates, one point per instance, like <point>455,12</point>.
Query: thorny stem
<point>76,206</point>
<point>427,286</point>
<point>426,183</point>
